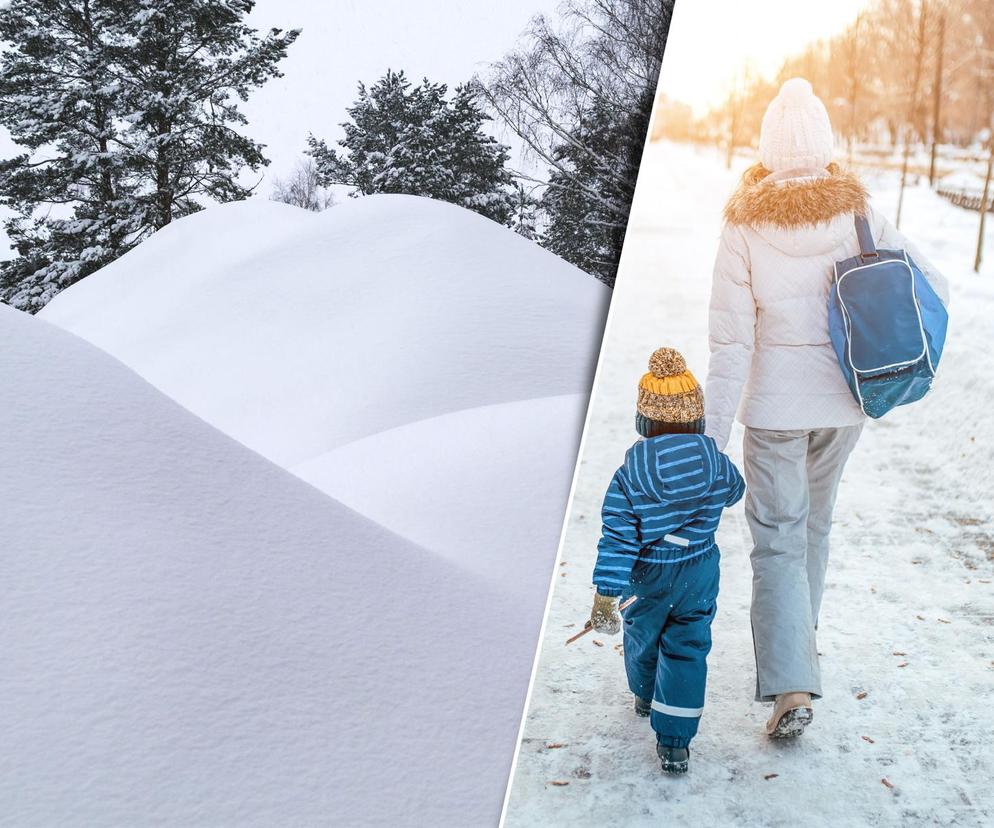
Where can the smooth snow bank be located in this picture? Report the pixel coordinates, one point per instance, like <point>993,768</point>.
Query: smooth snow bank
<point>488,500</point>
<point>297,332</point>
<point>409,357</point>
<point>193,636</point>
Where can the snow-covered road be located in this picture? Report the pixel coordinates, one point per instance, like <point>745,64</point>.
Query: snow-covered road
<point>905,733</point>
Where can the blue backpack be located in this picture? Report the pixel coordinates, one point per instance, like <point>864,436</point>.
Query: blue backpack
<point>887,326</point>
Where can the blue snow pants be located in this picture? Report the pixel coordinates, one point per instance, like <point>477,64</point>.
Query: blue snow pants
<point>667,638</point>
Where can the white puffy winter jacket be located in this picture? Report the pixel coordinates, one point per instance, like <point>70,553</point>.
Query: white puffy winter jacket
<point>769,301</point>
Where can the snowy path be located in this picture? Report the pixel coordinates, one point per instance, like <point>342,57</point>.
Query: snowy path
<point>909,609</point>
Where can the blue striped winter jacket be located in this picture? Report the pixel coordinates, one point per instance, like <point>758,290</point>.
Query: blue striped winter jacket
<point>663,506</point>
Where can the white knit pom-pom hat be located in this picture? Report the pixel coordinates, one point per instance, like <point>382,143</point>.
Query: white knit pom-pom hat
<point>796,132</point>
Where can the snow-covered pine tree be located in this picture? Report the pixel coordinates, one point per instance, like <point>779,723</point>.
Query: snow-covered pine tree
<point>524,218</point>
<point>59,100</point>
<point>376,119</point>
<point>477,161</point>
<point>416,162</point>
<point>186,65</point>
<point>415,140</point>
<point>128,110</point>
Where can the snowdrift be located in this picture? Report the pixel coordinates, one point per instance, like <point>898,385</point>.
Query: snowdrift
<point>411,358</point>
<point>297,332</point>
<point>490,501</point>
<point>192,635</point>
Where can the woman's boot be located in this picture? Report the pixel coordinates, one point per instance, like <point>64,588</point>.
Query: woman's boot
<point>791,714</point>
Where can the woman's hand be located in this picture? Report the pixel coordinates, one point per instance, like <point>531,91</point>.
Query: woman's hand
<point>604,617</point>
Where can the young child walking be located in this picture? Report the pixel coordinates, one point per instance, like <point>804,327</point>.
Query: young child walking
<point>660,515</point>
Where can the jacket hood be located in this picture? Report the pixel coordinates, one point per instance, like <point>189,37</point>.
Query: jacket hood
<point>803,216</point>
<point>762,200</point>
<point>672,467</point>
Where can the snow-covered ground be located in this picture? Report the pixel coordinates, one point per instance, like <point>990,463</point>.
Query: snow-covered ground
<point>193,636</point>
<point>225,643</point>
<point>905,732</point>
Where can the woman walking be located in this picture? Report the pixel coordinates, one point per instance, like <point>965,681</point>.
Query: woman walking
<point>790,220</point>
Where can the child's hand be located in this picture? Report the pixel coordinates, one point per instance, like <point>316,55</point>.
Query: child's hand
<point>605,617</point>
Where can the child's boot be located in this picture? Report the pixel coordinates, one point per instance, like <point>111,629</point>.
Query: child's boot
<point>791,714</point>
<point>643,707</point>
<point>674,760</point>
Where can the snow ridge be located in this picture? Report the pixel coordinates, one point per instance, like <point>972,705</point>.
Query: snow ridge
<point>192,635</point>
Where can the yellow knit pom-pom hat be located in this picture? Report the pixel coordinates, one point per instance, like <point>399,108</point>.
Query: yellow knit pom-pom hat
<point>670,401</point>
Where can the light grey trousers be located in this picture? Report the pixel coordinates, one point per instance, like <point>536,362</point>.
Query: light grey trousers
<point>792,478</point>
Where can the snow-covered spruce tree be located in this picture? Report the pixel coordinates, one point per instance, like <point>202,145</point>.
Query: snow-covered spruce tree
<point>415,140</point>
<point>524,219</point>
<point>127,110</point>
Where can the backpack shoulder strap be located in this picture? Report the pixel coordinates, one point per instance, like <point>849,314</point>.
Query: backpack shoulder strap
<point>867,248</point>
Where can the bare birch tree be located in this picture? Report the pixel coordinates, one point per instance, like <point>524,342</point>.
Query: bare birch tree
<point>302,188</point>
<point>579,94</point>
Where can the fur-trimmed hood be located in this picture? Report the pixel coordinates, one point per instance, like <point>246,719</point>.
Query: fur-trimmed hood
<point>761,200</point>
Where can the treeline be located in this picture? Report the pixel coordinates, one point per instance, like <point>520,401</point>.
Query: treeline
<point>126,114</point>
<point>904,72</point>
<point>578,95</point>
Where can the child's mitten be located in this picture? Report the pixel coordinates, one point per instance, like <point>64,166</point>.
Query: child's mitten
<point>605,617</point>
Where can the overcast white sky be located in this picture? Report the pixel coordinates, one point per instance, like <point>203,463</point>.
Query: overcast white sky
<point>346,41</point>
<point>710,40</point>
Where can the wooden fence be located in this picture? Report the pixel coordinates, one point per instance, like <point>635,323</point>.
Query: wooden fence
<point>969,201</point>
